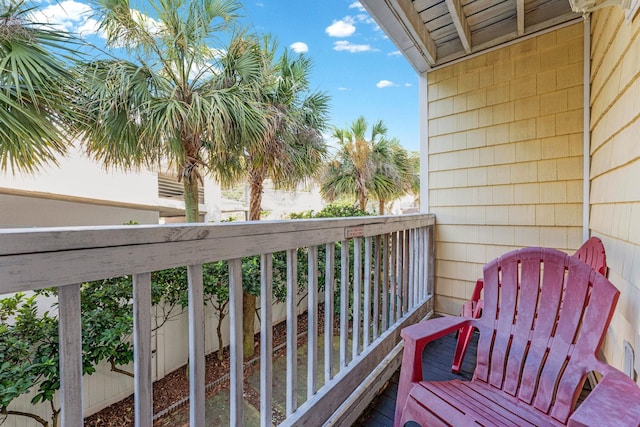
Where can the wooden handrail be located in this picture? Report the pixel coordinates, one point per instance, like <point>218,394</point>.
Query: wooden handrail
<point>390,285</point>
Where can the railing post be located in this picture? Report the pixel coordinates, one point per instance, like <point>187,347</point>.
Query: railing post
<point>393,278</point>
<point>366,328</point>
<point>266,342</point>
<point>376,287</point>
<point>431,246</point>
<point>143,385</point>
<point>357,283</point>
<point>196,346</point>
<point>328,311</point>
<point>344,301</point>
<point>70,345</point>
<point>386,309</point>
<point>292,332</point>
<point>312,331</point>
<point>235,345</point>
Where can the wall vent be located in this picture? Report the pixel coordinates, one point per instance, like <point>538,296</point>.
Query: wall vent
<point>170,188</point>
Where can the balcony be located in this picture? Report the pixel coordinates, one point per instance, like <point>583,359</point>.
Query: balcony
<point>380,269</point>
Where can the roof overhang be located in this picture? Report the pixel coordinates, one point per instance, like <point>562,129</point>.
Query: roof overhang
<point>432,33</point>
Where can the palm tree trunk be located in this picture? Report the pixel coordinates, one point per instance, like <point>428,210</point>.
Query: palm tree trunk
<point>256,181</point>
<point>363,203</point>
<point>190,185</point>
<point>380,207</point>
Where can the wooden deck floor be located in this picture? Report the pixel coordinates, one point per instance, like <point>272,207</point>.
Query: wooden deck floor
<point>436,363</point>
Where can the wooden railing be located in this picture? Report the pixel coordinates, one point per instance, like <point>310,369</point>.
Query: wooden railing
<point>384,280</point>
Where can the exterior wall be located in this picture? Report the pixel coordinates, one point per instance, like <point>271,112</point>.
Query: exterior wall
<point>615,166</point>
<point>78,176</point>
<point>22,211</point>
<point>80,192</point>
<point>505,156</point>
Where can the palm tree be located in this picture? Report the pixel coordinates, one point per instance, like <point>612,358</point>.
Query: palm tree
<point>376,167</point>
<point>403,173</point>
<point>35,83</point>
<point>178,100</point>
<point>292,148</point>
<point>352,172</point>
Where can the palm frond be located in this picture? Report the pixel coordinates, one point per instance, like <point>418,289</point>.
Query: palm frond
<point>36,87</point>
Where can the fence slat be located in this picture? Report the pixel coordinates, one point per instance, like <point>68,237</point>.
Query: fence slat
<point>312,324</point>
<point>357,302</point>
<point>366,327</point>
<point>344,301</point>
<point>235,344</point>
<point>70,347</point>
<point>143,385</point>
<point>328,311</point>
<point>196,345</point>
<point>292,331</point>
<point>266,341</point>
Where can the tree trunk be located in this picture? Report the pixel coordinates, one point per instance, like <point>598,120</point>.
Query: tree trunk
<point>380,207</point>
<point>190,185</point>
<point>363,203</point>
<point>220,339</point>
<point>248,323</point>
<point>256,181</point>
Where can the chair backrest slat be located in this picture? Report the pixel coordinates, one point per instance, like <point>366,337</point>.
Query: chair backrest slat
<point>486,322</point>
<point>530,278</point>
<point>569,319</point>
<point>595,322</point>
<point>592,252</point>
<point>508,297</point>
<point>552,281</point>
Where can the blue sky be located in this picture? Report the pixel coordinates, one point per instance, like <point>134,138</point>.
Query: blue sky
<point>354,61</point>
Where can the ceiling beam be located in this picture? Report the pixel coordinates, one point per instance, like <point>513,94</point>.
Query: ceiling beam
<point>520,16</point>
<point>460,22</point>
<point>418,27</point>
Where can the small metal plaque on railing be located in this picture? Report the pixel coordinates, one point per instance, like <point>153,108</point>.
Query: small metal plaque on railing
<point>351,232</point>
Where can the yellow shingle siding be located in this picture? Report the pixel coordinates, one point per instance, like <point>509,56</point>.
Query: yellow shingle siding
<point>505,143</point>
<point>615,166</point>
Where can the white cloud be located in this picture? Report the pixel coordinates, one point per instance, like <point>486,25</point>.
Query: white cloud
<point>408,85</point>
<point>67,15</point>
<point>385,83</point>
<point>90,26</point>
<point>150,24</point>
<point>299,47</point>
<point>357,5</point>
<point>349,47</point>
<point>395,53</point>
<point>341,28</point>
<point>343,89</point>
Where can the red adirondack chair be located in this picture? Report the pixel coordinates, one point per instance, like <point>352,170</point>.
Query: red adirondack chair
<point>544,318</point>
<point>592,252</point>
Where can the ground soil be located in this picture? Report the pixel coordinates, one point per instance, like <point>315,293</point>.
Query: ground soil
<point>170,391</point>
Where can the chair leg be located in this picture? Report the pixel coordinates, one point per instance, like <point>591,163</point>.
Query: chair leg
<point>464,337</point>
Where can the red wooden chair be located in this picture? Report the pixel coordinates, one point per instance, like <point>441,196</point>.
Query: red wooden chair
<point>592,252</point>
<point>544,318</point>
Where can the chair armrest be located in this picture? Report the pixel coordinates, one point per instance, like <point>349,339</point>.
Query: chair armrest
<point>415,338</point>
<point>423,332</point>
<point>615,401</point>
